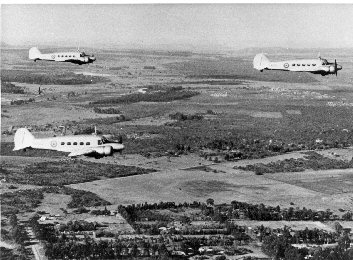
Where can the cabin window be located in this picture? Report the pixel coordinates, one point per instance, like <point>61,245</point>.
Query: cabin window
<point>81,143</point>
<point>314,64</point>
<point>69,56</point>
<point>62,143</point>
<point>68,143</point>
<point>307,64</point>
<point>293,64</point>
<point>303,64</point>
<point>75,143</point>
<point>298,64</point>
<point>88,143</point>
<point>66,56</point>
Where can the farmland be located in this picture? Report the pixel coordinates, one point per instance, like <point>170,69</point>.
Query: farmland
<point>197,127</point>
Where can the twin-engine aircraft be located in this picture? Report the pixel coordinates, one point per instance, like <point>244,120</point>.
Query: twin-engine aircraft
<point>75,145</point>
<point>315,66</point>
<point>73,57</point>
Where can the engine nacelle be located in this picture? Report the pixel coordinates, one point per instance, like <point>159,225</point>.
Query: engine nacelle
<point>104,150</point>
<point>332,69</point>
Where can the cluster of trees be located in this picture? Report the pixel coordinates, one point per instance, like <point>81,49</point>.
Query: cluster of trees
<point>44,232</point>
<point>22,101</point>
<point>66,78</point>
<point>312,161</point>
<point>311,236</point>
<point>8,87</point>
<point>110,110</point>
<point>165,95</point>
<point>27,200</point>
<point>103,249</point>
<point>182,117</point>
<point>17,231</point>
<point>104,212</point>
<point>77,171</point>
<point>133,212</point>
<point>21,200</point>
<point>269,213</point>
<point>75,226</point>
<point>280,247</point>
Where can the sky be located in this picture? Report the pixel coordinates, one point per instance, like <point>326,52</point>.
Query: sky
<point>230,26</point>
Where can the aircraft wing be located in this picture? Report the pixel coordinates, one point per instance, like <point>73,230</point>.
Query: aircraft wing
<point>74,61</point>
<point>81,152</point>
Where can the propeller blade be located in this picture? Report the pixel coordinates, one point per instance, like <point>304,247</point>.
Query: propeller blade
<point>336,67</point>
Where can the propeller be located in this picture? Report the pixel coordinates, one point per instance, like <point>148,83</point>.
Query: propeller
<point>336,67</point>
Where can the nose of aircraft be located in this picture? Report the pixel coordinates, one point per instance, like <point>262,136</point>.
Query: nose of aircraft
<point>92,58</point>
<point>339,67</point>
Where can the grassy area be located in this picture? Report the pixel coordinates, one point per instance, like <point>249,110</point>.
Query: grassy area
<point>163,95</point>
<point>110,110</point>
<point>235,68</point>
<point>49,78</point>
<point>68,172</point>
<point>28,200</point>
<point>312,161</point>
<point>6,150</point>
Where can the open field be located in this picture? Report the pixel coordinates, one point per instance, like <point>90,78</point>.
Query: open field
<point>242,110</point>
<point>181,114</point>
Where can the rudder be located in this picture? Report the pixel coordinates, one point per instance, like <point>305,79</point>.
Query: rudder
<point>34,53</point>
<point>261,62</point>
<point>23,139</point>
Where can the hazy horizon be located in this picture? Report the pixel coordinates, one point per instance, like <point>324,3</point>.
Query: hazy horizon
<point>186,26</point>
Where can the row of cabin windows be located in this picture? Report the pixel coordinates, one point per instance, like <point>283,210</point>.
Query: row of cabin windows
<point>66,56</point>
<point>75,143</point>
<point>303,64</point>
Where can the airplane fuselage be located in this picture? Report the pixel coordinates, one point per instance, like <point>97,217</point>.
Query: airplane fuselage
<point>311,65</point>
<point>316,66</point>
<point>73,57</point>
<point>73,142</point>
<point>75,145</point>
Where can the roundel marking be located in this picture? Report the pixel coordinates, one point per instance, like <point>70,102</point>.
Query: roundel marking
<point>286,65</point>
<point>53,56</point>
<point>53,143</point>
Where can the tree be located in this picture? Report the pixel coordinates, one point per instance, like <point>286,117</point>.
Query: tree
<point>338,227</point>
<point>210,201</point>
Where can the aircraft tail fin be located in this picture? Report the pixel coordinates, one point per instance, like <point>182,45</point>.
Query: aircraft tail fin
<point>34,53</point>
<point>261,62</point>
<point>23,139</point>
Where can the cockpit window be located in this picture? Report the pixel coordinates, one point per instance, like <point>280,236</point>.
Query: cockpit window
<point>100,142</point>
<point>324,62</point>
<point>104,140</point>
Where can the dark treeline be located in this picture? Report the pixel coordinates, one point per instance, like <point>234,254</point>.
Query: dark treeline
<point>27,200</point>
<point>182,117</point>
<point>305,236</point>
<point>268,213</point>
<point>279,245</point>
<point>166,95</point>
<point>132,212</point>
<point>263,146</point>
<point>8,87</point>
<point>312,161</point>
<point>66,78</point>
